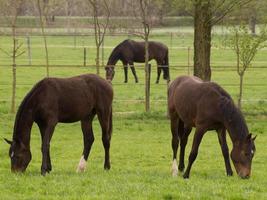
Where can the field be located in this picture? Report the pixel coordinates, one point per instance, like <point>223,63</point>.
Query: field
<point>141,142</point>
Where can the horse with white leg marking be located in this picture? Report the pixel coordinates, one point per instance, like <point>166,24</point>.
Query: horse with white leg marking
<point>65,100</point>
<point>207,106</point>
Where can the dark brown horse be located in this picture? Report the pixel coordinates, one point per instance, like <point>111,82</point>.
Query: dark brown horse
<point>206,106</point>
<point>130,51</point>
<point>65,100</point>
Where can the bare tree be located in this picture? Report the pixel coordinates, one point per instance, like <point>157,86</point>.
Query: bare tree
<point>144,11</point>
<point>146,28</point>
<point>44,36</point>
<point>12,9</point>
<point>100,26</point>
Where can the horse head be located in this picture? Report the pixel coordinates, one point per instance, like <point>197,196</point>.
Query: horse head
<point>242,155</point>
<point>110,72</point>
<point>19,154</point>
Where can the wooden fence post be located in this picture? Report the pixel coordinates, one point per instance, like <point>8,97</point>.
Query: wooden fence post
<point>188,60</point>
<point>147,102</point>
<point>171,39</point>
<point>29,50</point>
<point>75,40</point>
<point>84,56</point>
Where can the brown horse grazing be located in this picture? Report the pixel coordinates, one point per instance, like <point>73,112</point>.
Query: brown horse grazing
<point>65,100</point>
<point>130,51</point>
<point>206,106</point>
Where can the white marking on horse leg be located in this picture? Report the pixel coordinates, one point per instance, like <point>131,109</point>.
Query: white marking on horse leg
<point>174,168</point>
<point>82,165</point>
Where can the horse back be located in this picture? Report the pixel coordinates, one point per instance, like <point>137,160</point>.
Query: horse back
<point>135,51</point>
<point>196,102</point>
<point>72,99</point>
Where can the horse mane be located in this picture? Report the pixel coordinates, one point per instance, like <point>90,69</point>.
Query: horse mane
<point>115,54</point>
<point>231,114</point>
<point>22,108</point>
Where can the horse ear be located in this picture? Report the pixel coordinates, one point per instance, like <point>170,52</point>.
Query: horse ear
<point>254,138</point>
<point>8,141</point>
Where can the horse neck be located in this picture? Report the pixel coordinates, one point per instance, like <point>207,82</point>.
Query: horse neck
<point>114,57</point>
<point>23,125</point>
<point>112,62</point>
<point>237,127</point>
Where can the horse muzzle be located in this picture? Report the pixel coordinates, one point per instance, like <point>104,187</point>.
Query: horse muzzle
<point>18,170</point>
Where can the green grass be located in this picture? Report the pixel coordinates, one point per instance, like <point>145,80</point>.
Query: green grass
<point>141,142</point>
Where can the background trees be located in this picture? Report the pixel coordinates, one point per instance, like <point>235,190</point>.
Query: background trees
<point>11,11</point>
<point>100,27</point>
<point>126,16</point>
<point>206,14</point>
<point>245,46</point>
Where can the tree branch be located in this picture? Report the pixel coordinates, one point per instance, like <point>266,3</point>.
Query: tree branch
<point>215,19</point>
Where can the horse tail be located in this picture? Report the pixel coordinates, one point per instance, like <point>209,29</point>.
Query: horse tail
<point>110,122</point>
<point>166,59</point>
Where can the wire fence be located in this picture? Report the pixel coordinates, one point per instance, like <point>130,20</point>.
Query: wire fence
<point>181,62</point>
<point>189,69</point>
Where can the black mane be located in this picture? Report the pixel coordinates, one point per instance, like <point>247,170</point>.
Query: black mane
<point>115,54</point>
<point>21,109</point>
<point>232,115</point>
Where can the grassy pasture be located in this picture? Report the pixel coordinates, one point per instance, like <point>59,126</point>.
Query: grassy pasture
<point>141,143</point>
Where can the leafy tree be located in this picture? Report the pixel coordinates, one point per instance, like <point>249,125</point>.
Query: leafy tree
<point>245,47</point>
<point>206,14</point>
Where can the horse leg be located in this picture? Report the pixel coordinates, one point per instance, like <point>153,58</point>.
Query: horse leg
<point>158,72</point>
<point>183,144</point>
<point>125,68</point>
<point>42,131</point>
<point>133,71</point>
<point>88,140</point>
<point>175,143</point>
<point>106,124</point>
<point>194,151</point>
<point>223,143</point>
<point>46,132</point>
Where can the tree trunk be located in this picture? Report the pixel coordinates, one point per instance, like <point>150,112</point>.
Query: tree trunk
<point>241,76</point>
<point>252,24</point>
<point>44,37</point>
<point>14,76</point>
<point>202,40</point>
<point>97,59</point>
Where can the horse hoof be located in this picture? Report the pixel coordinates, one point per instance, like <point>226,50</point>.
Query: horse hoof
<point>185,176</point>
<point>174,168</point>
<point>49,169</point>
<point>181,168</point>
<point>82,165</point>
<point>106,167</point>
<point>80,170</point>
<point>230,174</point>
<point>43,173</point>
